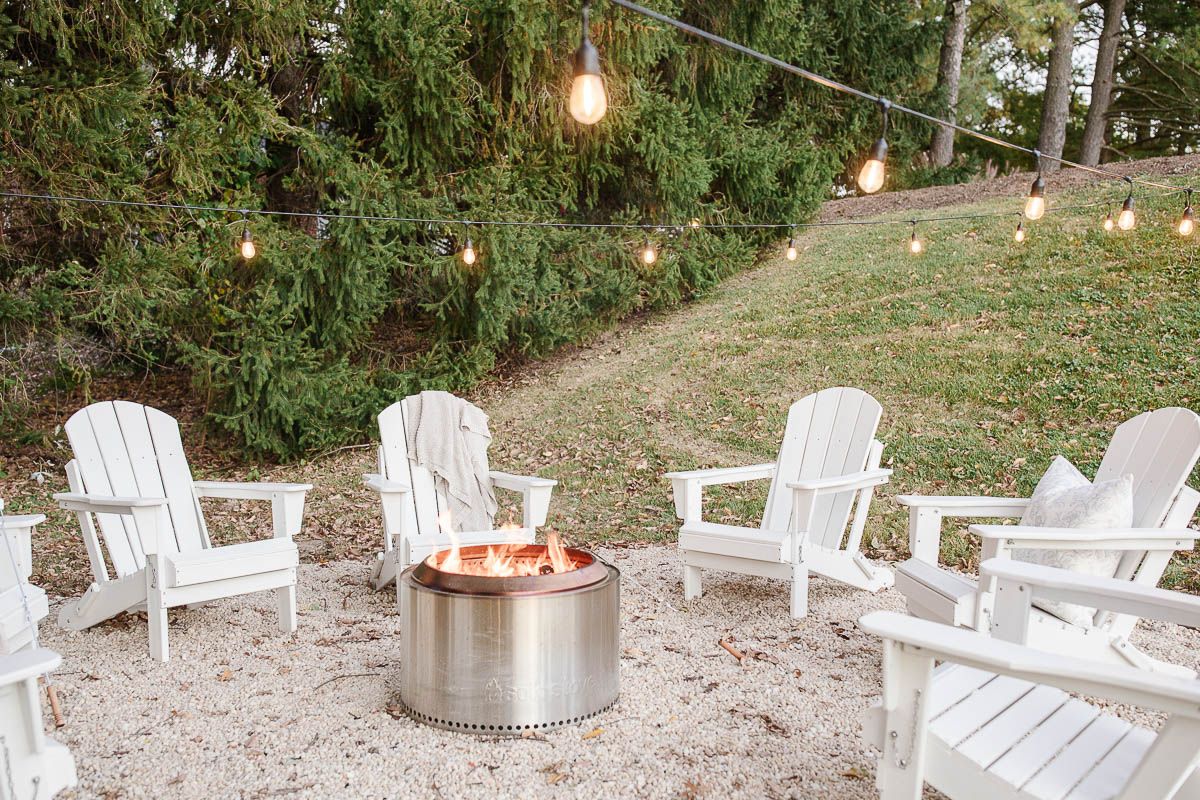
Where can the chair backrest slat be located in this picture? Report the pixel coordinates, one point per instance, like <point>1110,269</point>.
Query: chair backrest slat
<point>422,505</point>
<point>1160,449</point>
<point>126,449</point>
<point>134,434</point>
<point>828,434</point>
<point>120,536</point>
<point>187,520</point>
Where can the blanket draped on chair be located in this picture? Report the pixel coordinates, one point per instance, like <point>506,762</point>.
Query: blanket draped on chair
<point>449,437</point>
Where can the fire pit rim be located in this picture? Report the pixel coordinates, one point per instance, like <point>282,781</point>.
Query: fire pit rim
<point>592,571</point>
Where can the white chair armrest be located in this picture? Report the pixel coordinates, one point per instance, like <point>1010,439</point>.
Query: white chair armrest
<point>237,490</point>
<point>1109,594</point>
<point>1090,538</point>
<point>519,483</point>
<point>146,512</point>
<point>287,500</point>
<point>951,506</point>
<point>925,514</point>
<point>724,475</point>
<point>535,495</point>
<point>382,485</point>
<point>843,483</point>
<point>105,504</point>
<point>687,488</point>
<point>15,522</point>
<point>1117,682</point>
<point>27,664</point>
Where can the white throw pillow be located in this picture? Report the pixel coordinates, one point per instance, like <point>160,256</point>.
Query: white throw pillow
<point>1064,498</point>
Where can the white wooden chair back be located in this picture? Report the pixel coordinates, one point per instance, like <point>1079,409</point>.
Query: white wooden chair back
<point>422,505</point>
<point>1160,449</point>
<point>828,434</point>
<point>125,449</point>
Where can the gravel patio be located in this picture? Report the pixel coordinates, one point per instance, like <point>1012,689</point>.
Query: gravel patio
<point>259,714</point>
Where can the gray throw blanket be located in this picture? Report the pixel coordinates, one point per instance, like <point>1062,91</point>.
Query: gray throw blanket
<point>449,437</point>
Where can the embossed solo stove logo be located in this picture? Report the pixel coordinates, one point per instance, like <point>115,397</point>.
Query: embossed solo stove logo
<point>496,692</point>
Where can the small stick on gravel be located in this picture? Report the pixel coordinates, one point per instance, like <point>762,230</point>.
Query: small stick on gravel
<point>350,675</point>
<point>733,651</point>
<point>55,708</point>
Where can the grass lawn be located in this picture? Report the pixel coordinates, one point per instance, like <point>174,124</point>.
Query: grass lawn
<point>989,358</point>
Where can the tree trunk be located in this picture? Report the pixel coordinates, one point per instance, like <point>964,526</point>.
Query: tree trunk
<point>941,148</point>
<point>1056,101</point>
<point>1102,84</point>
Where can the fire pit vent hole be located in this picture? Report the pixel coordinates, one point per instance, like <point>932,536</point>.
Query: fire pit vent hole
<point>501,729</point>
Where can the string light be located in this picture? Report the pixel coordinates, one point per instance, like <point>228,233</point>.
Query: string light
<point>588,98</point>
<point>1019,234</point>
<point>1126,219</point>
<point>695,223</point>
<point>791,253</point>
<point>246,247</point>
<point>1187,222</point>
<point>468,252</point>
<point>870,177</point>
<point>1035,204</point>
<point>649,254</point>
<point>915,245</point>
<point>1109,222</point>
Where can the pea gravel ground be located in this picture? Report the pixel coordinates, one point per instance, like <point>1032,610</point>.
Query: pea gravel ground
<point>242,711</point>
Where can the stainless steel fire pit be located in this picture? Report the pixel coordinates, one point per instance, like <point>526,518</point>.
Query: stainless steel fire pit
<point>493,655</point>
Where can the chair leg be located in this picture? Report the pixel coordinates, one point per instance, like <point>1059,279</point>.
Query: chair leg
<point>156,611</point>
<point>286,597</point>
<point>799,590</point>
<point>691,582</point>
<point>384,570</point>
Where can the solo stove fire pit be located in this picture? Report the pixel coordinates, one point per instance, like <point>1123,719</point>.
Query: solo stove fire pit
<point>497,642</point>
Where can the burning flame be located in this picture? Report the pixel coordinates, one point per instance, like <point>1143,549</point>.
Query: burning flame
<point>501,561</point>
<point>452,562</point>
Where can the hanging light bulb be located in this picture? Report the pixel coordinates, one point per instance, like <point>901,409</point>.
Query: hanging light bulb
<point>870,177</point>
<point>915,245</point>
<point>791,253</point>
<point>468,252</point>
<point>1187,222</point>
<point>1109,222</point>
<point>1126,220</point>
<point>1019,234</point>
<point>1035,204</point>
<point>246,247</point>
<point>588,99</point>
<point>649,254</point>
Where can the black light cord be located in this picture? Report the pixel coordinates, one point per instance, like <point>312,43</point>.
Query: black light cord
<point>838,86</point>
<point>466,224</point>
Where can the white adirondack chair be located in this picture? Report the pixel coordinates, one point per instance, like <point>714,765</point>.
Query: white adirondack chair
<point>997,719</point>
<point>16,565</point>
<point>1159,448</point>
<point>411,504</point>
<point>130,472</point>
<point>829,459</point>
<point>32,765</point>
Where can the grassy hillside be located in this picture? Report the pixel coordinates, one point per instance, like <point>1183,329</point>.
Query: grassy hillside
<point>989,358</point>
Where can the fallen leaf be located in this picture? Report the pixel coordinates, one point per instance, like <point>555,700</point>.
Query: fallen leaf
<point>593,733</point>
